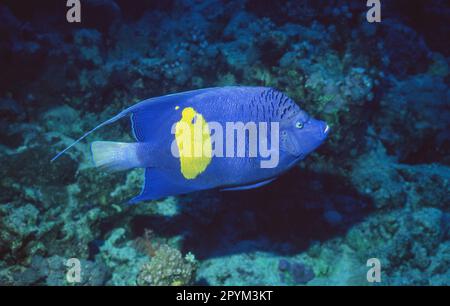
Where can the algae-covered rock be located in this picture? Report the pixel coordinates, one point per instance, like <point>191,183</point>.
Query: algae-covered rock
<point>32,167</point>
<point>122,258</point>
<point>117,188</point>
<point>168,267</point>
<point>414,118</point>
<point>53,271</point>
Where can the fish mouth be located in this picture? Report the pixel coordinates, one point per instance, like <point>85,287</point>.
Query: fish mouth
<point>327,128</point>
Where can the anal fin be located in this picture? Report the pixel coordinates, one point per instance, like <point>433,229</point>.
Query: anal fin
<point>158,185</point>
<point>252,186</point>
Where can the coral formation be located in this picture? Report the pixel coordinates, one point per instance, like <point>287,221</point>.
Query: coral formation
<point>168,268</point>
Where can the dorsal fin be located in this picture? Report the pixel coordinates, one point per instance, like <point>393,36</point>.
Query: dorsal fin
<point>109,121</point>
<point>136,109</point>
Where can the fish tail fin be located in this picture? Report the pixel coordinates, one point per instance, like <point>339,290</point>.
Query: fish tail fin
<point>115,156</point>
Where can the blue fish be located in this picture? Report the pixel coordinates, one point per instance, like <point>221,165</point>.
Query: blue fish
<point>230,138</point>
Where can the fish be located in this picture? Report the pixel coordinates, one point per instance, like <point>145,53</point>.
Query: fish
<point>227,138</point>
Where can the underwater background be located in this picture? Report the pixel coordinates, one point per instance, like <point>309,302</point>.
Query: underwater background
<point>377,188</point>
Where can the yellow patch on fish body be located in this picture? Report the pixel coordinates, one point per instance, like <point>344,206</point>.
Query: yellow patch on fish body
<point>193,140</point>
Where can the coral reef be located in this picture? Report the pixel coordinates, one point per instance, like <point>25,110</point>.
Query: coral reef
<point>296,272</point>
<point>121,257</point>
<point>379,187</point>
<point>168,268</point>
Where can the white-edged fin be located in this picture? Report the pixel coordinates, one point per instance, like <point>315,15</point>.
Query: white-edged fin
<point>109,121</point>
<point>115,156</point>
<point>139,109</point>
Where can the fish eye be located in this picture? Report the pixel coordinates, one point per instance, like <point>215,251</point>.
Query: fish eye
<point>299,125</point>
